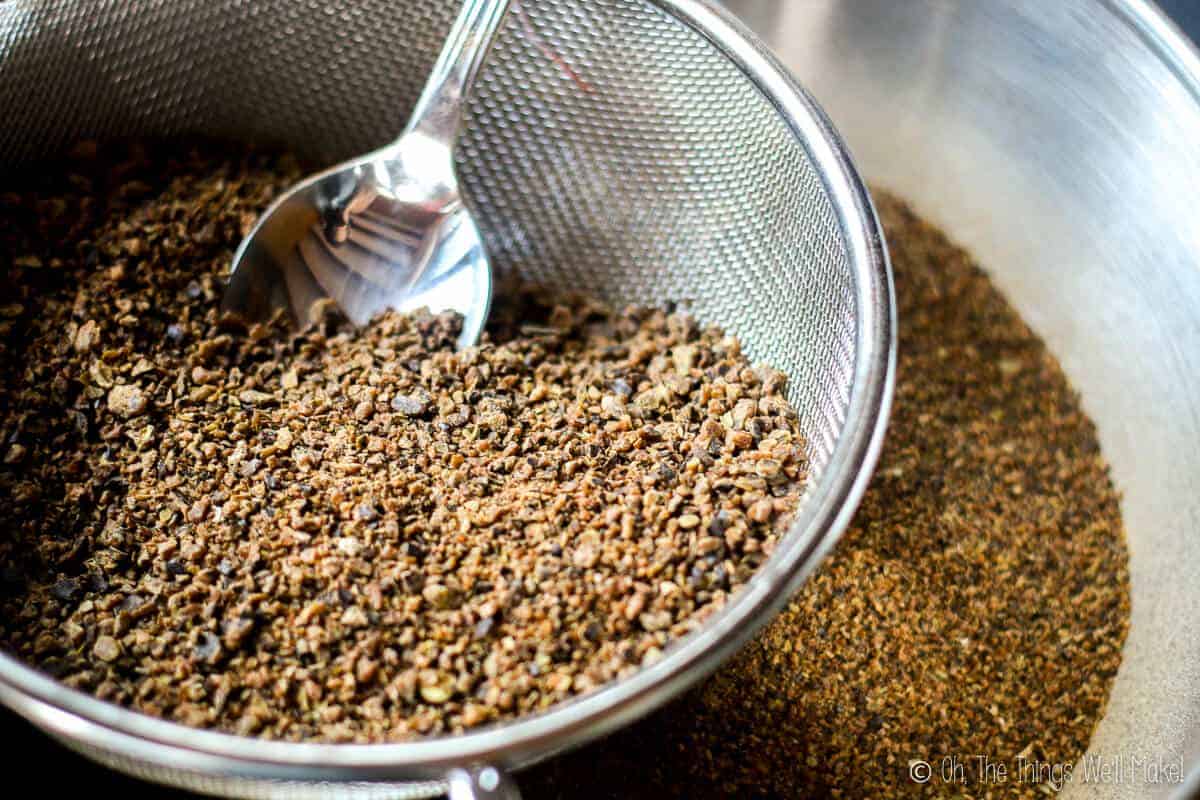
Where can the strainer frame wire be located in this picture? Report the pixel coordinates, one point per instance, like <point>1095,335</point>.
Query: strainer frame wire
<point>82,719</point>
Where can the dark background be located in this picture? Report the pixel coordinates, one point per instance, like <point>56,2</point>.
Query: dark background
<point>64,774</point>
<point>1186,14</point>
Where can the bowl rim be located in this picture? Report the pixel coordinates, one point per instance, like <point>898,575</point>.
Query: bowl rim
<point>84,720</point>
<point>1181,56</point>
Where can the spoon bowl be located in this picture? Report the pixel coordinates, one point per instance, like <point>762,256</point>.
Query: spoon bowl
<point>387,230</point>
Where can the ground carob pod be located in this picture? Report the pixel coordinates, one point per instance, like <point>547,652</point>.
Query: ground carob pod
<point>352,535</point>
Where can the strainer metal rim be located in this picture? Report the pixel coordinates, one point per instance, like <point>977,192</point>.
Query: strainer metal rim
<point>84,719</point>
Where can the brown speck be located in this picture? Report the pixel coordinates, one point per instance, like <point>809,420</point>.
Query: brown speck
<point>410,405</point>
<point>87,337</point>
<point>127,400</point>
<point>16,453</point>
<point>106,649</point>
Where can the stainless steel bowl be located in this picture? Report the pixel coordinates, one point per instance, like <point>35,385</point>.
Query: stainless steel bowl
<point>643,150</point>
<point>1060,142</point>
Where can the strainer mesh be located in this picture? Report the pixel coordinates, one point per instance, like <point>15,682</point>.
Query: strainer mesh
<point>608,147</point>
<point>612,149</point>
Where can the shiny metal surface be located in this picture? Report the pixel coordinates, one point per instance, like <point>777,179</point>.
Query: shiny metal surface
<point>487,783</point>
<point>1059,142</point>
<point>642,150</point>
<point>388,230</point>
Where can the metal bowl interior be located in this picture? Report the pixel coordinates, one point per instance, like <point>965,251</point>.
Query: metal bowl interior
<point>1057,141</point>
<point>643,151</point>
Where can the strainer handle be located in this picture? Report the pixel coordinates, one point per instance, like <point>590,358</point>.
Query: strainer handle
<point>482,783</point>
<point>439,110</point>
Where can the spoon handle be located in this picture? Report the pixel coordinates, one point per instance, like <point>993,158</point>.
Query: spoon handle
<point>439,110</point>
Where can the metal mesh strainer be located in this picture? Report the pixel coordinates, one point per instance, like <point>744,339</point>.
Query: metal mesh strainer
<point>642,150</point>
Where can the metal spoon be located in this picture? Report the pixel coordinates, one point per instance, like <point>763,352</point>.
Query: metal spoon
<point>387,230</point>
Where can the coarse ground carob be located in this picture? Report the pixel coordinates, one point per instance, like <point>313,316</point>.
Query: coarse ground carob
<point>348,535</point>
<point>972,617</point>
